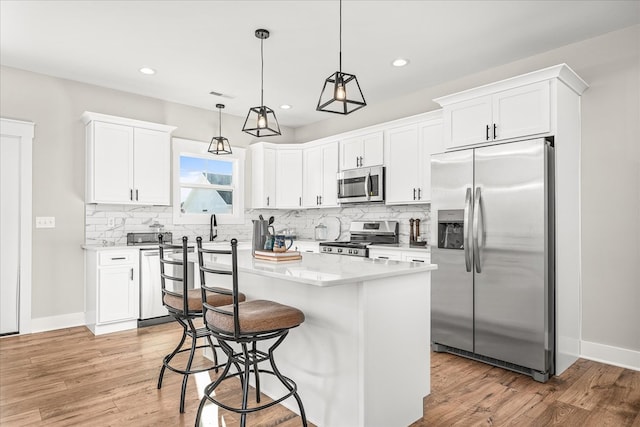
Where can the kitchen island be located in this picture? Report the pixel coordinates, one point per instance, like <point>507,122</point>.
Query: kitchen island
<point>361,358</point>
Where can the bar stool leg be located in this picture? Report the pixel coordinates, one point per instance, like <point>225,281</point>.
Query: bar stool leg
<point>168,358</point>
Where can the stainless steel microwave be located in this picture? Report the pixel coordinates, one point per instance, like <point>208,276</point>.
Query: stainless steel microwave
<point>361,185</point>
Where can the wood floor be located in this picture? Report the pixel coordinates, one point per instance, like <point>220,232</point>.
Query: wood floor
<point>69,377</point>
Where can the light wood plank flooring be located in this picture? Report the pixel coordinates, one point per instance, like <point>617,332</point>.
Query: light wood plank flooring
<point>69,377</point>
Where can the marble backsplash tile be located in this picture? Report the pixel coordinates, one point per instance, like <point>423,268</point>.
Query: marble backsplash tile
<point>136,219</point>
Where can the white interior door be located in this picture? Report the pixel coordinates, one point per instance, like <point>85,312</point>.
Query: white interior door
<point>9,233</point>
<point>16,139</point>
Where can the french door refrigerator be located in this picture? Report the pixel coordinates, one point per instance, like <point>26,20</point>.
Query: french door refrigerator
<point>493,292</point>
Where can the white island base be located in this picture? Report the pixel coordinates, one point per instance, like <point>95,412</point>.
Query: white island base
<point>361,358</point>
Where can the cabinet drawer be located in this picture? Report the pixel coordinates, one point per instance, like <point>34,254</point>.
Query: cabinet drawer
<point>117,258</point>
<point>391,255</point>
<point>413,257</point>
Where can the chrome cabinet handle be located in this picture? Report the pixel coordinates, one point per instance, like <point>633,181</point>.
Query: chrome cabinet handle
<point>414,194</point>
<point>320,200</point>
<point>300,201</point>
<point>419,194</point>
<point>136,194</point>
<point>494,131</point>
<point>468,213</point>
<point>131,194</point>
<point>267,200</point>
<point>476,232</point>
<point>132,274</point>
<point>118,258</point>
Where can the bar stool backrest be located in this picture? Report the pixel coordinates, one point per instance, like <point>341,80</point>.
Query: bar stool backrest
<point>177,283</point>
<point>224,270</point>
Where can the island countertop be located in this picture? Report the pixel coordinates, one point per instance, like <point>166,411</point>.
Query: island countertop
<point>320,269</point>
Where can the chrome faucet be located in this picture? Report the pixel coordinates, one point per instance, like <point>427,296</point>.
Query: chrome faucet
<point>213,228</point>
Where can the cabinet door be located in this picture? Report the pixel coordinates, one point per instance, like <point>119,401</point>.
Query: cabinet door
<point>329,195</point>
<point>263,177</point>
<point>382,254</point>
<point>288,178</point>
<point>430,139</point>
<point>152,167</point>
<point>402,164</point>
<point>117,294</point>
<point>350,153</point>
<point>112,164</point>
<point>373,149</point>
<point>312,176</point>
<point>522,111</point>
<point>466,122</point>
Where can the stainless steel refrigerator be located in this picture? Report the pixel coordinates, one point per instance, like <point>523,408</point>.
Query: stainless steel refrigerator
<point>493,292</point>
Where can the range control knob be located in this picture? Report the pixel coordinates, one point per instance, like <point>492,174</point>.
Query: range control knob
<point>339,250</point>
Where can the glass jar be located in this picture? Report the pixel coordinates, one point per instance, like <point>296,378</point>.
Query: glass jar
<point>321,232</point>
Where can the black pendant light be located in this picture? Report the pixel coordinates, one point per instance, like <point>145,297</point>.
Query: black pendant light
<point>219,144</point>
<point>261,121</point>
<point>341,93</point>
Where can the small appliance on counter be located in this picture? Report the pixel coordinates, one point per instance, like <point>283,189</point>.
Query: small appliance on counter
<point>139,239</point>
<point>363,234</point>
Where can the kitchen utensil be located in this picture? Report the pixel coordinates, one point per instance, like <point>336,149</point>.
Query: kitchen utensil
<point>271,219</point>
<point>260,234</point>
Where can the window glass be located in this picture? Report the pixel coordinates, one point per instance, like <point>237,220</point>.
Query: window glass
<point>196,170</point>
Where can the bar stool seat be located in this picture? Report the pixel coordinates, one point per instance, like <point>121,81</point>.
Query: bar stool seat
<point>194,300</point>
<point>245,324</point>
<point>256,316</point>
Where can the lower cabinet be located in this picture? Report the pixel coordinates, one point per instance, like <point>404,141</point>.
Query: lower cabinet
<point>306,246</point>
<point>112,290</point>
<point>420,255</point>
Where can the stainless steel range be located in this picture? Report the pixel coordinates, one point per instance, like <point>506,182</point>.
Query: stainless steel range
<point>363,234</point>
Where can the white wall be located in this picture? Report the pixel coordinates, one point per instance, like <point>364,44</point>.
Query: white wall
<point>610,178</point>
<point>610,168</point>
<point>55,106</point>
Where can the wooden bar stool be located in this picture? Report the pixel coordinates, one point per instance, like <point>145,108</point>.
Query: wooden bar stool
<point>185,311</point>
<point>245,324</point>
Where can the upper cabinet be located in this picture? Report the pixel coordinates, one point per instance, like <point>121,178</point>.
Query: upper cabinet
<point>276,176</point>
<point>263,177</point>
<point>362,151</point>
<point>523,106</point>
<point>408,149</point>
<point>320,169</point>
<point>288,173</point>
<point>128,161</point>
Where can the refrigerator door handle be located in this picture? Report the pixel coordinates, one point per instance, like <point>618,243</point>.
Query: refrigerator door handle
<point>468,214</point>
<point>476,231</point>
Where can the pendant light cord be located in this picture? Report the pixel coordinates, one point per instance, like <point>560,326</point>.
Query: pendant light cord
<point>219,121</point>
<point>261,72</point>
<point>340,55</point>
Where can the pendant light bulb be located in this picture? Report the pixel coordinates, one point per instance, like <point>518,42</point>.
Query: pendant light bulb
<point>262,120</point>
<point>341,92</point>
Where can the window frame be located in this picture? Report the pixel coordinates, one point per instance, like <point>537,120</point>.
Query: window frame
<point>186,147</point>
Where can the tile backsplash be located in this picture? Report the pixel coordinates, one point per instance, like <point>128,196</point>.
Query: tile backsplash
<point>136,219</point>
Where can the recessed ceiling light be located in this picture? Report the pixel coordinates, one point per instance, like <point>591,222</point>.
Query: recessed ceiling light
<point>148,71</point>
<point>285,106</point>
<point>400,62</point>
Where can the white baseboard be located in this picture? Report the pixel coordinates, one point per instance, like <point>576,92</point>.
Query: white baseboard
<point>616,356</point>
<point>43,324</point>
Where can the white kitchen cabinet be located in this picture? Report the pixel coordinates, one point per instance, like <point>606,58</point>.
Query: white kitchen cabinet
<point>288,178</point>
<point>400,254</point>
<point>513,113</point>
<point>385,254</point>
<point>362,151</point>
<point>413,256</point>
<point>128,161</point>
<point>306,246</point>
<point>263,176</point>
<point>408,152</point>
<point>112,289</point>
<point>320,168</point>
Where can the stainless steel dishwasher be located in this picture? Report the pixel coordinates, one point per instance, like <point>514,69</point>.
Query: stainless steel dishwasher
<point>152,311</point>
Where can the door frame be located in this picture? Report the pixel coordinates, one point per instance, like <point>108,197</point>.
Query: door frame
<point>25,131</point>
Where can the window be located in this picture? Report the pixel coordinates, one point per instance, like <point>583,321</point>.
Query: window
<point>205,184</point>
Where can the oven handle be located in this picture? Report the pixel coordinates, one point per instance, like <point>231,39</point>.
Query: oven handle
<point>366,185</point>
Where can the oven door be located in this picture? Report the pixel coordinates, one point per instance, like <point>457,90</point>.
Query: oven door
<point>361,185</point>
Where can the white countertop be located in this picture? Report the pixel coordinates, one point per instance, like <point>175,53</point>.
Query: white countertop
<point>321,269</point>
<point>222,244</point>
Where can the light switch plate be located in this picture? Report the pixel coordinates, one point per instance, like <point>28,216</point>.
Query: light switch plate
<point>45,222</point>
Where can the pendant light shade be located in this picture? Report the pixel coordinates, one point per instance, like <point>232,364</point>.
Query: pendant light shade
<point>261,121</point>
<point>219,144</point>
<point>341,93</point>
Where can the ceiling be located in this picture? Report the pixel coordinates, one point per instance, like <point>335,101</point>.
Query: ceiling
<point>203,46</point>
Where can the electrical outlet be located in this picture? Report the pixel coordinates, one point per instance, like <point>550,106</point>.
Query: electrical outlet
<point>111,222</point>
<point>45,222</point>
